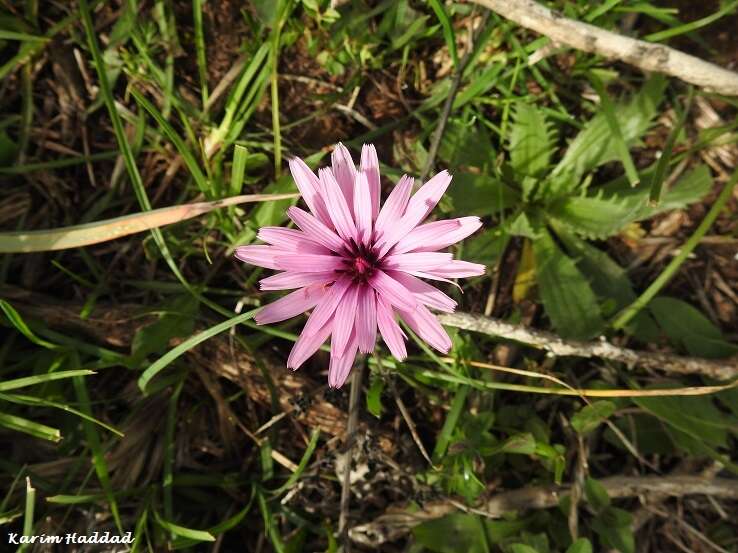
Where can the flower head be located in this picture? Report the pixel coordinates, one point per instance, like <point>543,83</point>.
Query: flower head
<point>359,267</point>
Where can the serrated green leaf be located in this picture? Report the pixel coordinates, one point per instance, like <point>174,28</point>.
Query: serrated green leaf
<point>486,247</point>
<point>567,296</point>
<point>591,416</point>
<point>595,145</point>
<point>466,145</point>
<point>689,188</point>
<point>532,140</point>
<point>521,225</point>
<point>593,217</point>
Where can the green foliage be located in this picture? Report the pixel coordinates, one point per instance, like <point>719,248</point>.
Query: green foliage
<point>591,416</point>
<point>532,141</point>
<point>566,294</point>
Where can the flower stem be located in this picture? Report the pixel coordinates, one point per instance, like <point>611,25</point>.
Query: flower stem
<point>353,421</point>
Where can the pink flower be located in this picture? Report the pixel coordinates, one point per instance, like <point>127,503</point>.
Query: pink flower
<point>357,266</point>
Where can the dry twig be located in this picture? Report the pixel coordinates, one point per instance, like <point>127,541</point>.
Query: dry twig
<point>666,362</point>
<point>397,522</point>
<point>589,38</point>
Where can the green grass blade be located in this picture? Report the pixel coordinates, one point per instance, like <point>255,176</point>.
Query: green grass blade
<point>659,174</point>
<point>161,363</point>
<point>670,270</point>
<point>448,31</point>
<point>42,402</point>
<point>29,427</point>
<point>444,437</point>
<point>28,514</point>
<point>187,156</point>
<point>98,454</point>
<point>608,109</point>
<point>17,321</point>
<point>294,477</point>
<point>39,379</point>
<point>692,25</point>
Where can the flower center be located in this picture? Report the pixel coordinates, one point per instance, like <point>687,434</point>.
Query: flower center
<point>362,266</point>
<point>360,261</point>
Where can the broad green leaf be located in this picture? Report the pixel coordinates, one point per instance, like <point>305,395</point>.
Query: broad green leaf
<point>480,194</point>
<point>452,533</point>
<point>522,548</point>
<point>486,247</point>
<point>567,296</point>
<point>595,145</point>
<point>686,326</point>
<point>532,140</point>
<point>596,494</point>
<point>374,396</point>
<point>591,416</point>
<point>582,545</point>
<point>521,225</point>
<point>614,526</point>
<point>696,416</point>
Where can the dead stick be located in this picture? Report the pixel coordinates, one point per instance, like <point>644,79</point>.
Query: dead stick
<point>589,38</point>
<point>398,522</point>
<point>666,362</point>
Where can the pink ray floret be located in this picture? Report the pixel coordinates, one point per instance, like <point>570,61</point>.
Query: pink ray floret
<point>359,265</point>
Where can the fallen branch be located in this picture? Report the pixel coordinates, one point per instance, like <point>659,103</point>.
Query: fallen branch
<point>396,523</point>
<point>666,362</point>
<point>589,38</point>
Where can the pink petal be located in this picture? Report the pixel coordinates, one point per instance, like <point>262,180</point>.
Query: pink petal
<point>395,205</point>
<point>291,305</point>
<point>458,269</point>
<point>344,170</point>
<point>327,307</point>
<point>391,290</point>
<point>260,255</point>
<point>417,261</point>
<point>315,230</point>
<point>363,208</point>
<point>438,235</point>
<point>308,263</point>
<point>370,166</point>
<point>424,292</point>
<point>418,208</point>
<point>366,320</point>
<point>340,367</point>
<point>308,344</point>
<point>425,325</point>
<point>426,198</point>
<point>290,239</point>
<point>391,332</point>
<point>343,321</point>
<point>337,206</point>
<point>289,280</point>
<point>310,189</point>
